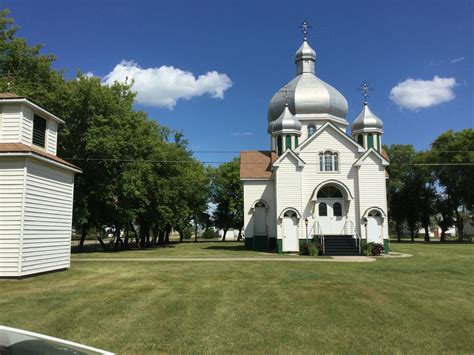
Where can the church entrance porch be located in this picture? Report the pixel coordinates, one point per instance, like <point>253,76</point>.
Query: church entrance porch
<point>330,210</point>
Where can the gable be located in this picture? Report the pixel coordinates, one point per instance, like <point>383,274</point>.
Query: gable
<point>328,135</point>
<point>371,157</point>
<point>290,156</point>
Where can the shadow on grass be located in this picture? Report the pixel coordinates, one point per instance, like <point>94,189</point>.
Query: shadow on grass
<point>95,248</point>
<point>227,247</point>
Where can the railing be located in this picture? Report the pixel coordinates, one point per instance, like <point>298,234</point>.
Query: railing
<point>319,231</point>
<point>350,229</point>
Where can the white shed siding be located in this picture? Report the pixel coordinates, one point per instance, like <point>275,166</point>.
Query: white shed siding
<point>10,124</point>
<point>12,173</point>
<point>52,137</point>
<point>372,189</point>
<point>312,177</point>
<point>288,182</point>
<point>259,190</point>
<point>27,126</point>
<point>47,218</point>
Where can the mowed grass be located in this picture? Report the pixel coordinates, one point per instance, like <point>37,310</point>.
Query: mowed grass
<point>422,304</point>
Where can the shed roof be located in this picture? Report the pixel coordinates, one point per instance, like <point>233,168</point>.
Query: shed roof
<point>23,148</point>
<point>256,164</point>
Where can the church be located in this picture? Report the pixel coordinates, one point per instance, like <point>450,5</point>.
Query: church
<point>317,180</point>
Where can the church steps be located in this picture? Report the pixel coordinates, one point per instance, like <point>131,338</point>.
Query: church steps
<point>340,245</point>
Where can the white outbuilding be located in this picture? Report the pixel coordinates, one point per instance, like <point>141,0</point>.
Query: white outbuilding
<point>36,191</point>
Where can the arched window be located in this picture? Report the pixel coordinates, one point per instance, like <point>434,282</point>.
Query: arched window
<point>370,141</point>
<point>290,213</point>
<point>360,139</point>
<point>328,161</point>
<point>329,192</point>
<point>323,209</point>
<point>288,142</point>
<point>311,130</point>
<point>279,145</point>
<point>260,204</point>
<point>375,213</point>
<point>296,141</point>
<point>337,209</point>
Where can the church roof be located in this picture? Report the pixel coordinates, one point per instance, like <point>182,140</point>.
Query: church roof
<point>256,164</point>
<point>13,149</point>
<point>367,121</point>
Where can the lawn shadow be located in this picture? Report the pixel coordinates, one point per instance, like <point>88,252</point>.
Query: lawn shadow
<point>227,247</point>
<point>96,248</point>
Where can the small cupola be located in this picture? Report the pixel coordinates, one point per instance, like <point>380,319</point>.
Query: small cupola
<point>367,128</point>
<point>285,131</point>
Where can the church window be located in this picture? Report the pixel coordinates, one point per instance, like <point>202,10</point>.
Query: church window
<point>379,143</point>
<point>260,204</point>
<point>360,139</point>
<point>39,131</point>
<point>370,141</point>
<point>328,161</point>
<point>311,130</point>
<point>337,209</point>
<point>279,145</point>
<point>288,142</point>
<point>329,192</point>
<point>323,209</point>
<point>296,141</point>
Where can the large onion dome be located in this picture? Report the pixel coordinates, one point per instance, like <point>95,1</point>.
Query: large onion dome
<point>309,97</point>
<point>367,121</point>
<point>286,123</point>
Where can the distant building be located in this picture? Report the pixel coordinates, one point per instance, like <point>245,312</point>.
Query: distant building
<point>36,191</point>
<point>316,180</point>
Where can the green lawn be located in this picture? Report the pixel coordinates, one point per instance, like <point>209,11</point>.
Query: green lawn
<point>422,304</point>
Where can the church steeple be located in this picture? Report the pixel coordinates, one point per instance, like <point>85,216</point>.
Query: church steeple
<point>305,57</point>
<point>367,128</point>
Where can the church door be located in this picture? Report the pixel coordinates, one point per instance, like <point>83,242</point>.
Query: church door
<point>260,224</point>
<point>374,228</point>
<point>331,216</point>
<point>290,232</point>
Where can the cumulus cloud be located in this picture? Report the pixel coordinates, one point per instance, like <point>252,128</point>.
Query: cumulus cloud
<point>414,94</point>
<point>164,86</point>
<point>457,60</point>
<point>240,134</point>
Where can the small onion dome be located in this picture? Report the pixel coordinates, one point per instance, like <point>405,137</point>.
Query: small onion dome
<point>305,52</point>
<point>286,123</point>
<point>367,122</point>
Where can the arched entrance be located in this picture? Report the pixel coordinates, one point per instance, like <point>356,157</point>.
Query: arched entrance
<point>290,230</point>
<point>374,227</point>
<point>330,210</point>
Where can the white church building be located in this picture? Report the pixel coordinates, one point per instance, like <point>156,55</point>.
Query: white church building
<point>316,180</point>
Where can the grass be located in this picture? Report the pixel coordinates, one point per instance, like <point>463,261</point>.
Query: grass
<point>421,304</point>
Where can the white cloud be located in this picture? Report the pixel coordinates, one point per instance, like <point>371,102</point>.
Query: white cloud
<point>240,134</point>
<point>89,74</point>
<point>164,86</point>
<point>457,60</point>
<point>415,94</point>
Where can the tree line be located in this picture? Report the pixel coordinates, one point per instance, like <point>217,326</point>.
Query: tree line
<point>139,179</point>
<point>432,187</point>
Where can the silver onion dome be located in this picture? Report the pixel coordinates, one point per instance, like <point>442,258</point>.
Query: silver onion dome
<point>309,96</point>
<point>367,122</point>
<point>286,123</point>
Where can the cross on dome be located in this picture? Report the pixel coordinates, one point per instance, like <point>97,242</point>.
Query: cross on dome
<point>364,89</point>
<point>304,28</point>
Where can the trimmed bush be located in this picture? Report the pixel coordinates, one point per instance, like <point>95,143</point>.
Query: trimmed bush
<point>372,249</point>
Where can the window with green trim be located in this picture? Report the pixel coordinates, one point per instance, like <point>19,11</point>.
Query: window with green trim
<point>370,141</point>
<point>288,142</point>
<point>296,141</point>
<point>379,143</point>
<point>360,139</point>
<point>279,145</point>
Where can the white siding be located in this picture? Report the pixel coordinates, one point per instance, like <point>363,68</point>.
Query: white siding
<point>288,182</point>
<point>27,126</point>
<point>372,189</point>
<point>47,218</point>
<point>11,196</point>
<point>312,177</point>
<point>10,124</point>
<point>259,190</point>
<point>52,137</point>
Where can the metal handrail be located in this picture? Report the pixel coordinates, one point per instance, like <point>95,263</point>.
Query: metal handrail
<point>353,232</point>
<point>320,232</point>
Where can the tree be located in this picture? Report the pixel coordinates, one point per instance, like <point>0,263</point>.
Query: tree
<point>227,195</point>
<point>457,180</point>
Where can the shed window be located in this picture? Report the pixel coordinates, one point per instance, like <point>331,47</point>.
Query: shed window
<point>328,161</point>
<point>39,131</point>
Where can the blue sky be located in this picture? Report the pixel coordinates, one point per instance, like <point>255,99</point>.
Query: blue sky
<point>252,44</point>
